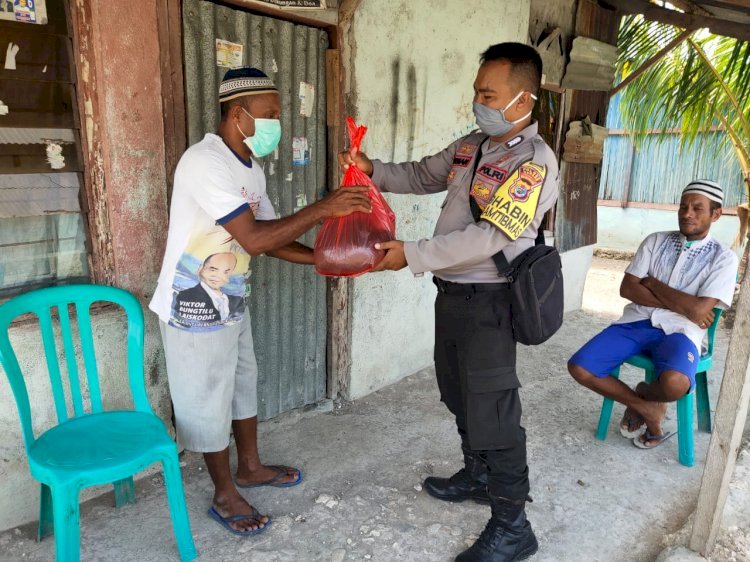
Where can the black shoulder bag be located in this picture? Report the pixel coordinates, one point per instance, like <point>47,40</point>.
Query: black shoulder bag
<point>536,284</point>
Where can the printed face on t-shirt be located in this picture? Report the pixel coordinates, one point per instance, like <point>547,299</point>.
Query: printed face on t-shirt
<point>216,270</point>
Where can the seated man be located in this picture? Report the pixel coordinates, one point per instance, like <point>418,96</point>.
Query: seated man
<point>674,282</point>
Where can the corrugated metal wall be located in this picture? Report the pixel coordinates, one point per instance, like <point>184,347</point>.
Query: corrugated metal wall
<point>657,172</point>
<point>287,302</point>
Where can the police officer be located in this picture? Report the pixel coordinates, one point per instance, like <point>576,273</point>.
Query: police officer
<point>500,181</point>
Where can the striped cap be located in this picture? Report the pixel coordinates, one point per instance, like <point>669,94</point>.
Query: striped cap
<point>707,188</point>
<point>245,81</point>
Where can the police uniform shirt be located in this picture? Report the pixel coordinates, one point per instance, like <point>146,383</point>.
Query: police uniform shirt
<point>515,185</point>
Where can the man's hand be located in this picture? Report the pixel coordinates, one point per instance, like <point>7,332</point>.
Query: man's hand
<point>394,258</point>
<point>345,201</point>
<point>633,289</point>
<point>359,159</point>
<point>698,310</point>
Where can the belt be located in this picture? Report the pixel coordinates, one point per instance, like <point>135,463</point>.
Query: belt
<point>451,288</point>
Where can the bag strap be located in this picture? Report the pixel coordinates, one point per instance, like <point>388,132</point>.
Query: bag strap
<point>501,262</point>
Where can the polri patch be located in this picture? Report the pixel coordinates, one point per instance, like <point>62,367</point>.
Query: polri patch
<point>467,149</point>
<point>514,203</point>
<point>493,173</point>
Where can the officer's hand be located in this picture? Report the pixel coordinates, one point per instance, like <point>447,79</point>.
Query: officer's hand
<point>360,159</point>
<point>394,258</point>
<point>345,201</point>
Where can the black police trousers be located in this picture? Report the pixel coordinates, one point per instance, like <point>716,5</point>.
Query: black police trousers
<point>475,363</point>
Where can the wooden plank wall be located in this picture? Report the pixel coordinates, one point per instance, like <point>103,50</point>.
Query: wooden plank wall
<point>576,208</point>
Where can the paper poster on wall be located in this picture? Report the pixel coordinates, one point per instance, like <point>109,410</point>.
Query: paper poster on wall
<point>306,99</point>
<point>24,11</point>
<point>300,151</point>
<point>228,54</point>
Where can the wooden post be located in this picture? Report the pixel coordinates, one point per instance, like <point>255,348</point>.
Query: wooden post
<point>729,423</point>
<point>340,290</point>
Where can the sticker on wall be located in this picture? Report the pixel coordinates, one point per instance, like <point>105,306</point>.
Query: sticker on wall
<point>289,176</point>
<point>24,11</point>
<point>10,53</point>
<point>274,66</point>
<point>301,201</point>
<point>3,108</point>
<point>55,159</point>
<point>228,55</point>
<point>306,99</point>
<point>300,151</point>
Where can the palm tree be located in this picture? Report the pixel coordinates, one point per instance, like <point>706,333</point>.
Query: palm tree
<point>701,83</point>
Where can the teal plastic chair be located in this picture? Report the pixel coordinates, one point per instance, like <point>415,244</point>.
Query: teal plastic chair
<point>684,405</point>
<point>94,447</point>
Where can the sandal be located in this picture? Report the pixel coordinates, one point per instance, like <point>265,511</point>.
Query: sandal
<point>225,521</point>
<point>281,472</point>
<point>641,442</point>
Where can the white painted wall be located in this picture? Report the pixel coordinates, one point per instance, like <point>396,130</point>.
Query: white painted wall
<point>625,229</point>
<point>19,492</point>
<point>411,65</point>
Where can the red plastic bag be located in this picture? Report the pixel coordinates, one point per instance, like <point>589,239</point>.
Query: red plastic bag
<point>345,246</point>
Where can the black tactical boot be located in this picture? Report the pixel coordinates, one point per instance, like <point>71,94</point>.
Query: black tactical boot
<point>469,483</point>
<point>506,538</point>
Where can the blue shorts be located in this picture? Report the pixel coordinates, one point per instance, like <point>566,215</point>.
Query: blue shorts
<point>610,348</point>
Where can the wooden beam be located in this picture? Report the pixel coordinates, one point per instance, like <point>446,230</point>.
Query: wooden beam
<point>346,11</point>
<point>32,159</point>
<point>340,289</point>
<point>313,18</point>
<point>723,4</point>
<point>690,7</point>
<point>729,423</point>
<point>653,12</point>
<point>669,131</point>
<point>173,87</point>
<point>94,193</point>
<point>681,38</point>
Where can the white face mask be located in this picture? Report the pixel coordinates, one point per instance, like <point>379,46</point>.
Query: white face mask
<point>492,122</point>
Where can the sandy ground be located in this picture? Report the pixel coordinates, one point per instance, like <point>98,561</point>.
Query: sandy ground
<point>364,464</point>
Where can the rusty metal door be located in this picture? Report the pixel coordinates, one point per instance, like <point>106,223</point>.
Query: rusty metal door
<point>287,302</point>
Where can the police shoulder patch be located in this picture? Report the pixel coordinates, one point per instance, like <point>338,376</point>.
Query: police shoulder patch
<point>514,203</point>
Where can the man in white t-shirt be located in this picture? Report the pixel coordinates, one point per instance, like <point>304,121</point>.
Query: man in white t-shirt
<point>220,216</point>
<point>675,281</point>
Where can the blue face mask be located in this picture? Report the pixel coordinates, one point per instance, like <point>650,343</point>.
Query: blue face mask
<point>492,122</point>
<point>266,138</point>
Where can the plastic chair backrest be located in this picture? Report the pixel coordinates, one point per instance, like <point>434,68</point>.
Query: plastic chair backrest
<point>43,303</point>
<point>712,332</point>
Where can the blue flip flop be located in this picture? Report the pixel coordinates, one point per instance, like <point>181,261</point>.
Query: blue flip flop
<point>281,471</point>
<point>225,522</point>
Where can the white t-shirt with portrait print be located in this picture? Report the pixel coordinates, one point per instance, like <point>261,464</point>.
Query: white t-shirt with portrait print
<point>212,185</point>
